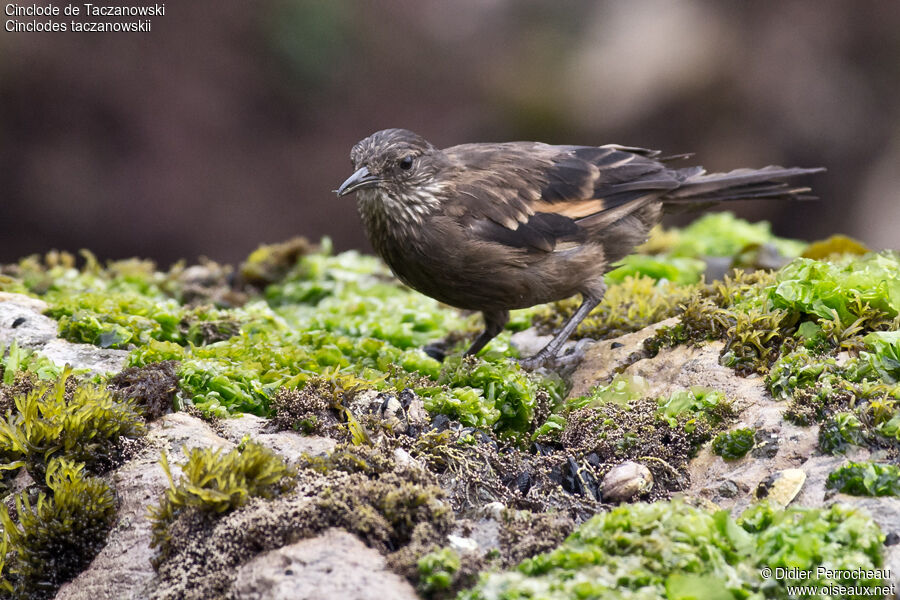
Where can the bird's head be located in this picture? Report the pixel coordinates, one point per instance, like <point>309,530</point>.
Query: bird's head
<point>396,162</point>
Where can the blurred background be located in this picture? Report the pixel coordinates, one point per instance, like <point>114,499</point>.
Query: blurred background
<point>229,124</point>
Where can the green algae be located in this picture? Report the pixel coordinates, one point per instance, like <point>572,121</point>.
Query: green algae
<point>437,571</point>
<point>15,360</point>
<point>723,234</point>
<point>732,445</point>
<point>654,550</point>
<point>866,479</point>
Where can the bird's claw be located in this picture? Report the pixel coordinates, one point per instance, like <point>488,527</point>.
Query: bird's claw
<point>560,364</point>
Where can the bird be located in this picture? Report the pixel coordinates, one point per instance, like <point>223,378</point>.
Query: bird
<point>494,227</point>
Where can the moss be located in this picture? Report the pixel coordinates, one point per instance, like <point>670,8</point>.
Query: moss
<point>723,234</point>
<point>883,358</point>
<point>152,388</point>
<point>338,318</point>
<point>308,410</point>
<point>55,538</point>
<point>733,445</point>
<point>834,247</point>
<point>82,422</point>
<point>730,310</point>
<point>350,459</point>
<point>669,549</point>
<point>398,511</point>
<point>662,433</point>
<point>866,479</point>
<point>214,482</point>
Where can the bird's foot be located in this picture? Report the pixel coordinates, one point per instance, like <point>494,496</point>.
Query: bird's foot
<point>437,351</point>
<point>559,364</point>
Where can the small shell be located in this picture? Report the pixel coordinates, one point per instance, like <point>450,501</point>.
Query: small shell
<point>462,544</point>
<point>625,481</point>
<point>782,487</point>
<point>493,510</point>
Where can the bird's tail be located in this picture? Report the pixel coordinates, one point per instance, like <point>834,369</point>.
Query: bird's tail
<point>771,182</point>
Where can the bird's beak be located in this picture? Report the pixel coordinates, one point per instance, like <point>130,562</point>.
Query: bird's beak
<point>362,178</point>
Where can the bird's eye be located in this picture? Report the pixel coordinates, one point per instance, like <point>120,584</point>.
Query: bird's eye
<point>406,163</point>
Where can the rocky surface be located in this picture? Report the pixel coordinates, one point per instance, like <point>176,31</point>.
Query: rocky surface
<point>22,320</point>
<point>335,564</point>
<point>786,447</point>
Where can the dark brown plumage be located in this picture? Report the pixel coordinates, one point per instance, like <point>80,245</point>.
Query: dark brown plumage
<point>495,227</point>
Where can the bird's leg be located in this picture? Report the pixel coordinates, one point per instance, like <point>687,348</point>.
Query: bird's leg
<point>548,352</point>
<point>494,322</point>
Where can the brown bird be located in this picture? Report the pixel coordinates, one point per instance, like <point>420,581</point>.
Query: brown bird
<point>495,227</point>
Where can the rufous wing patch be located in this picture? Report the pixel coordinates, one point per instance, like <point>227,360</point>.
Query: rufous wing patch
<point>574,209</point>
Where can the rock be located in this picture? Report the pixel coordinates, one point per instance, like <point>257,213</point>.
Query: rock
<point>529,343</point>
<point>122,569</point>
<point>402,457</point>
<point>625,481</point>
<point>601,359</point>
<point>289,444</point>
<point>22,320</point>
<point>333,565</point>
<point>99,361</point>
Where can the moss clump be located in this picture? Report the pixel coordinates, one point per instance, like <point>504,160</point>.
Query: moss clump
<point>618,422</point>
<point>723,234</point>
<point>840,431</point>
<point>671,550</point>
<point>733,445</point>
<point>339,318</point>
<point>883,358</point>
<point>214,482</point>
<point>866,479</point>
<point>490,395</point>
<point>152,388</point>
<point>55,538</point>
<point>307,410</point>
<point>824,306</point>
<point>395,509</point>
<point>834,248</point>
<point>731,310</point>
<point>80,421</point>
<point>349,459</point>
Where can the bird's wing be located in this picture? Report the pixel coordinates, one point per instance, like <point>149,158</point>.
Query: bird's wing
<point>536,196</point>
